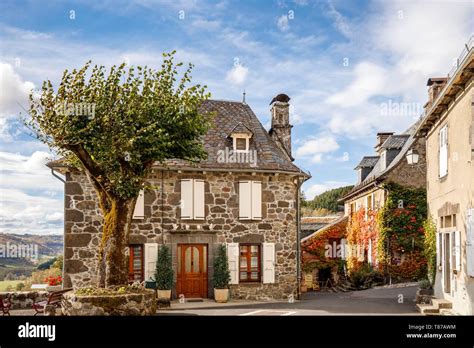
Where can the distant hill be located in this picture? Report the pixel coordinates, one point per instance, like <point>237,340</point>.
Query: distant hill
<point>49,246</point>
<point>328,200</point>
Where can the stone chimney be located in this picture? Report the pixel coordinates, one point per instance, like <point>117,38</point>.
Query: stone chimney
<point>435,85</point>
<point>381,137</point>
<point>281,127</point>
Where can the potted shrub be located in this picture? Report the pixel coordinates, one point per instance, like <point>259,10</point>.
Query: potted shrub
<point>54,283</point>
<point>221,277</point>
<point>425,291</point>
<point>164,273</point>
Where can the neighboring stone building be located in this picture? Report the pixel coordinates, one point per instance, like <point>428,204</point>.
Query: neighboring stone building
<point>388,165</point>
<point>245,194</point>
<point>448,128</point>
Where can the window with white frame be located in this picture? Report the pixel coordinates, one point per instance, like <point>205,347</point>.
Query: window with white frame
<point>443,151</point>
<point>241,142</point>
<point>192,199</point>
<point>250,200</point>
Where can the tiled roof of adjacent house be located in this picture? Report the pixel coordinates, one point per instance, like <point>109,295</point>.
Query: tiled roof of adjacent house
<point>401,142</point>
<point>229,116</point>
<point>395,141</point>
<point>367,162</point>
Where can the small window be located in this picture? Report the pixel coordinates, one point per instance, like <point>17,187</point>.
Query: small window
<point>135,272</point>
<point>250,263</point>
<point>241,144</point>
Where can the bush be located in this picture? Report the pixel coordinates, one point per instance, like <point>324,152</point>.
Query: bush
<point>38,277</point>
<point>221,277</point>
<point>164,269</point>
<point>424,284</point>
<point>19,286</point>
<point>365,277</point>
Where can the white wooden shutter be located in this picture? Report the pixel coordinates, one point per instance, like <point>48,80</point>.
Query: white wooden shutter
<point>470,242</point>
<point>139,211</point>
<point>457,250</point>
<point>151,256</point>
<point>369,252</point>
<point>233,262</point>
<point>443,251</point>
<point>245,200</point>
<point>256,200</point>
<point>186,199</point>
<point>268,263</point>
<point>443,151</point>
<point>198,199</point>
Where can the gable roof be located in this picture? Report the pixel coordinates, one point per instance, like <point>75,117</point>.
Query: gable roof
<point>240,128</point>
<point>395,141</point>
<point>403,142</point>
<point>367,162</point>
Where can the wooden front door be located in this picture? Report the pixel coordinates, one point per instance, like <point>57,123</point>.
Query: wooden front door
<point>192,270</point>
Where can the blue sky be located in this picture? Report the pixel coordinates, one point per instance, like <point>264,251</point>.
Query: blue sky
<point>339,61</point>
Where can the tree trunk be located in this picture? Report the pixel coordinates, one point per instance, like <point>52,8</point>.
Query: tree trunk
<point>112,267</point>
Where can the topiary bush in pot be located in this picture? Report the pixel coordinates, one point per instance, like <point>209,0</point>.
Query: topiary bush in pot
<point>221,277</point>
<point>164,273</point>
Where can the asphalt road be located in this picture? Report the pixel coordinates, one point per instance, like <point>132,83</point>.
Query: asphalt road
<point>384,301</point>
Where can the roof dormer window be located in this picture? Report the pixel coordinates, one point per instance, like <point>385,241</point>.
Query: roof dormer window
<point>241,142</point>
<point>241,135</point>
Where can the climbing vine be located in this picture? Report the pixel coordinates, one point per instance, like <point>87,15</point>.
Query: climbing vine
<point>401,233</point>
<point>316,247</point>
<point>430,248</point>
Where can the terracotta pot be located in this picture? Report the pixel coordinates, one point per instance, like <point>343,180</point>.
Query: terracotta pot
<point>221,295</point>
<point>164,294</point>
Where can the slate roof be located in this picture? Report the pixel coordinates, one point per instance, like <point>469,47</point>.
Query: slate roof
<point>395,141</point>
<point>403,142</point>
<point>227,116</point>
<point>240,128</point>
<point>367,162</point>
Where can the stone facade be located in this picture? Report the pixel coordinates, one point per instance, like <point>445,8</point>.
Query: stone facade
<point>162,224</point>
<point>25,299</point>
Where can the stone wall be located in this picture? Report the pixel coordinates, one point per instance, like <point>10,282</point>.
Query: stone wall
<point>162,224</point>
<point>24,299</point>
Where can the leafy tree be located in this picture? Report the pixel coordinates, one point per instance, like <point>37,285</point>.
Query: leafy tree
<point>221,269</point>
<point>164,269</point>
<point>114,127</point>
<point>329,199</point>
<point>46,264</point>
<point>20,286</point>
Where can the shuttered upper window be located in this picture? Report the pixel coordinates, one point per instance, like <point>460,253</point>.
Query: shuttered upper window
<point>192,199</point>
<point>250,200</point>
<point>443,151</point>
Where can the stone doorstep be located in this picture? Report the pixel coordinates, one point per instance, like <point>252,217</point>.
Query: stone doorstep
<point>427,309</point>
<point>442,303</point>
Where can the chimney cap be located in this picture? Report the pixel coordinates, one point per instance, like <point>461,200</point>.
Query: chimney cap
<point>385,133</point>
<point>280,98</point>
<point>437,80</point>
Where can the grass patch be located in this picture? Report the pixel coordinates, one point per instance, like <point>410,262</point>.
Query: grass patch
<point>4,284</point>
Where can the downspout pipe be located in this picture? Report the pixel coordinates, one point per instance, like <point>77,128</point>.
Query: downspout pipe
<point>298,234</point>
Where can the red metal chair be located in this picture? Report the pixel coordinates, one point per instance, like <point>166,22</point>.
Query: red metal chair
<point>5,304</point>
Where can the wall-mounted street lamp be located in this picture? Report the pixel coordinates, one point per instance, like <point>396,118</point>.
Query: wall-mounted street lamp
<point>412,157</point>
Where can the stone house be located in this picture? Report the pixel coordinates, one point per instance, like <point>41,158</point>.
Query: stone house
<point>244,195</point>
<point>448,127</point>
<point>388,165</point>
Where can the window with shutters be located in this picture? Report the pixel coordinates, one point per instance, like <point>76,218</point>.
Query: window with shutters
<point>250,200</point>
<point>135,269</point>
<point>443,151</point>
<point>250,263</point>
<point>192,199</point>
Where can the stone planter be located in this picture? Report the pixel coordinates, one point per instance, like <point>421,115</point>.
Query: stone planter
<point>423,296</point>
<point>164,295</point>
<point>131,304</point>
<point>52,288</point>
<point>221,295</point>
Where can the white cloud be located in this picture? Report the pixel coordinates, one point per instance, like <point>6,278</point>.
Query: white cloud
<point>237,75</point>
<point>339,21</point>
<point>283,23</point>
<point>14,93</point>
<point>314,148</point>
